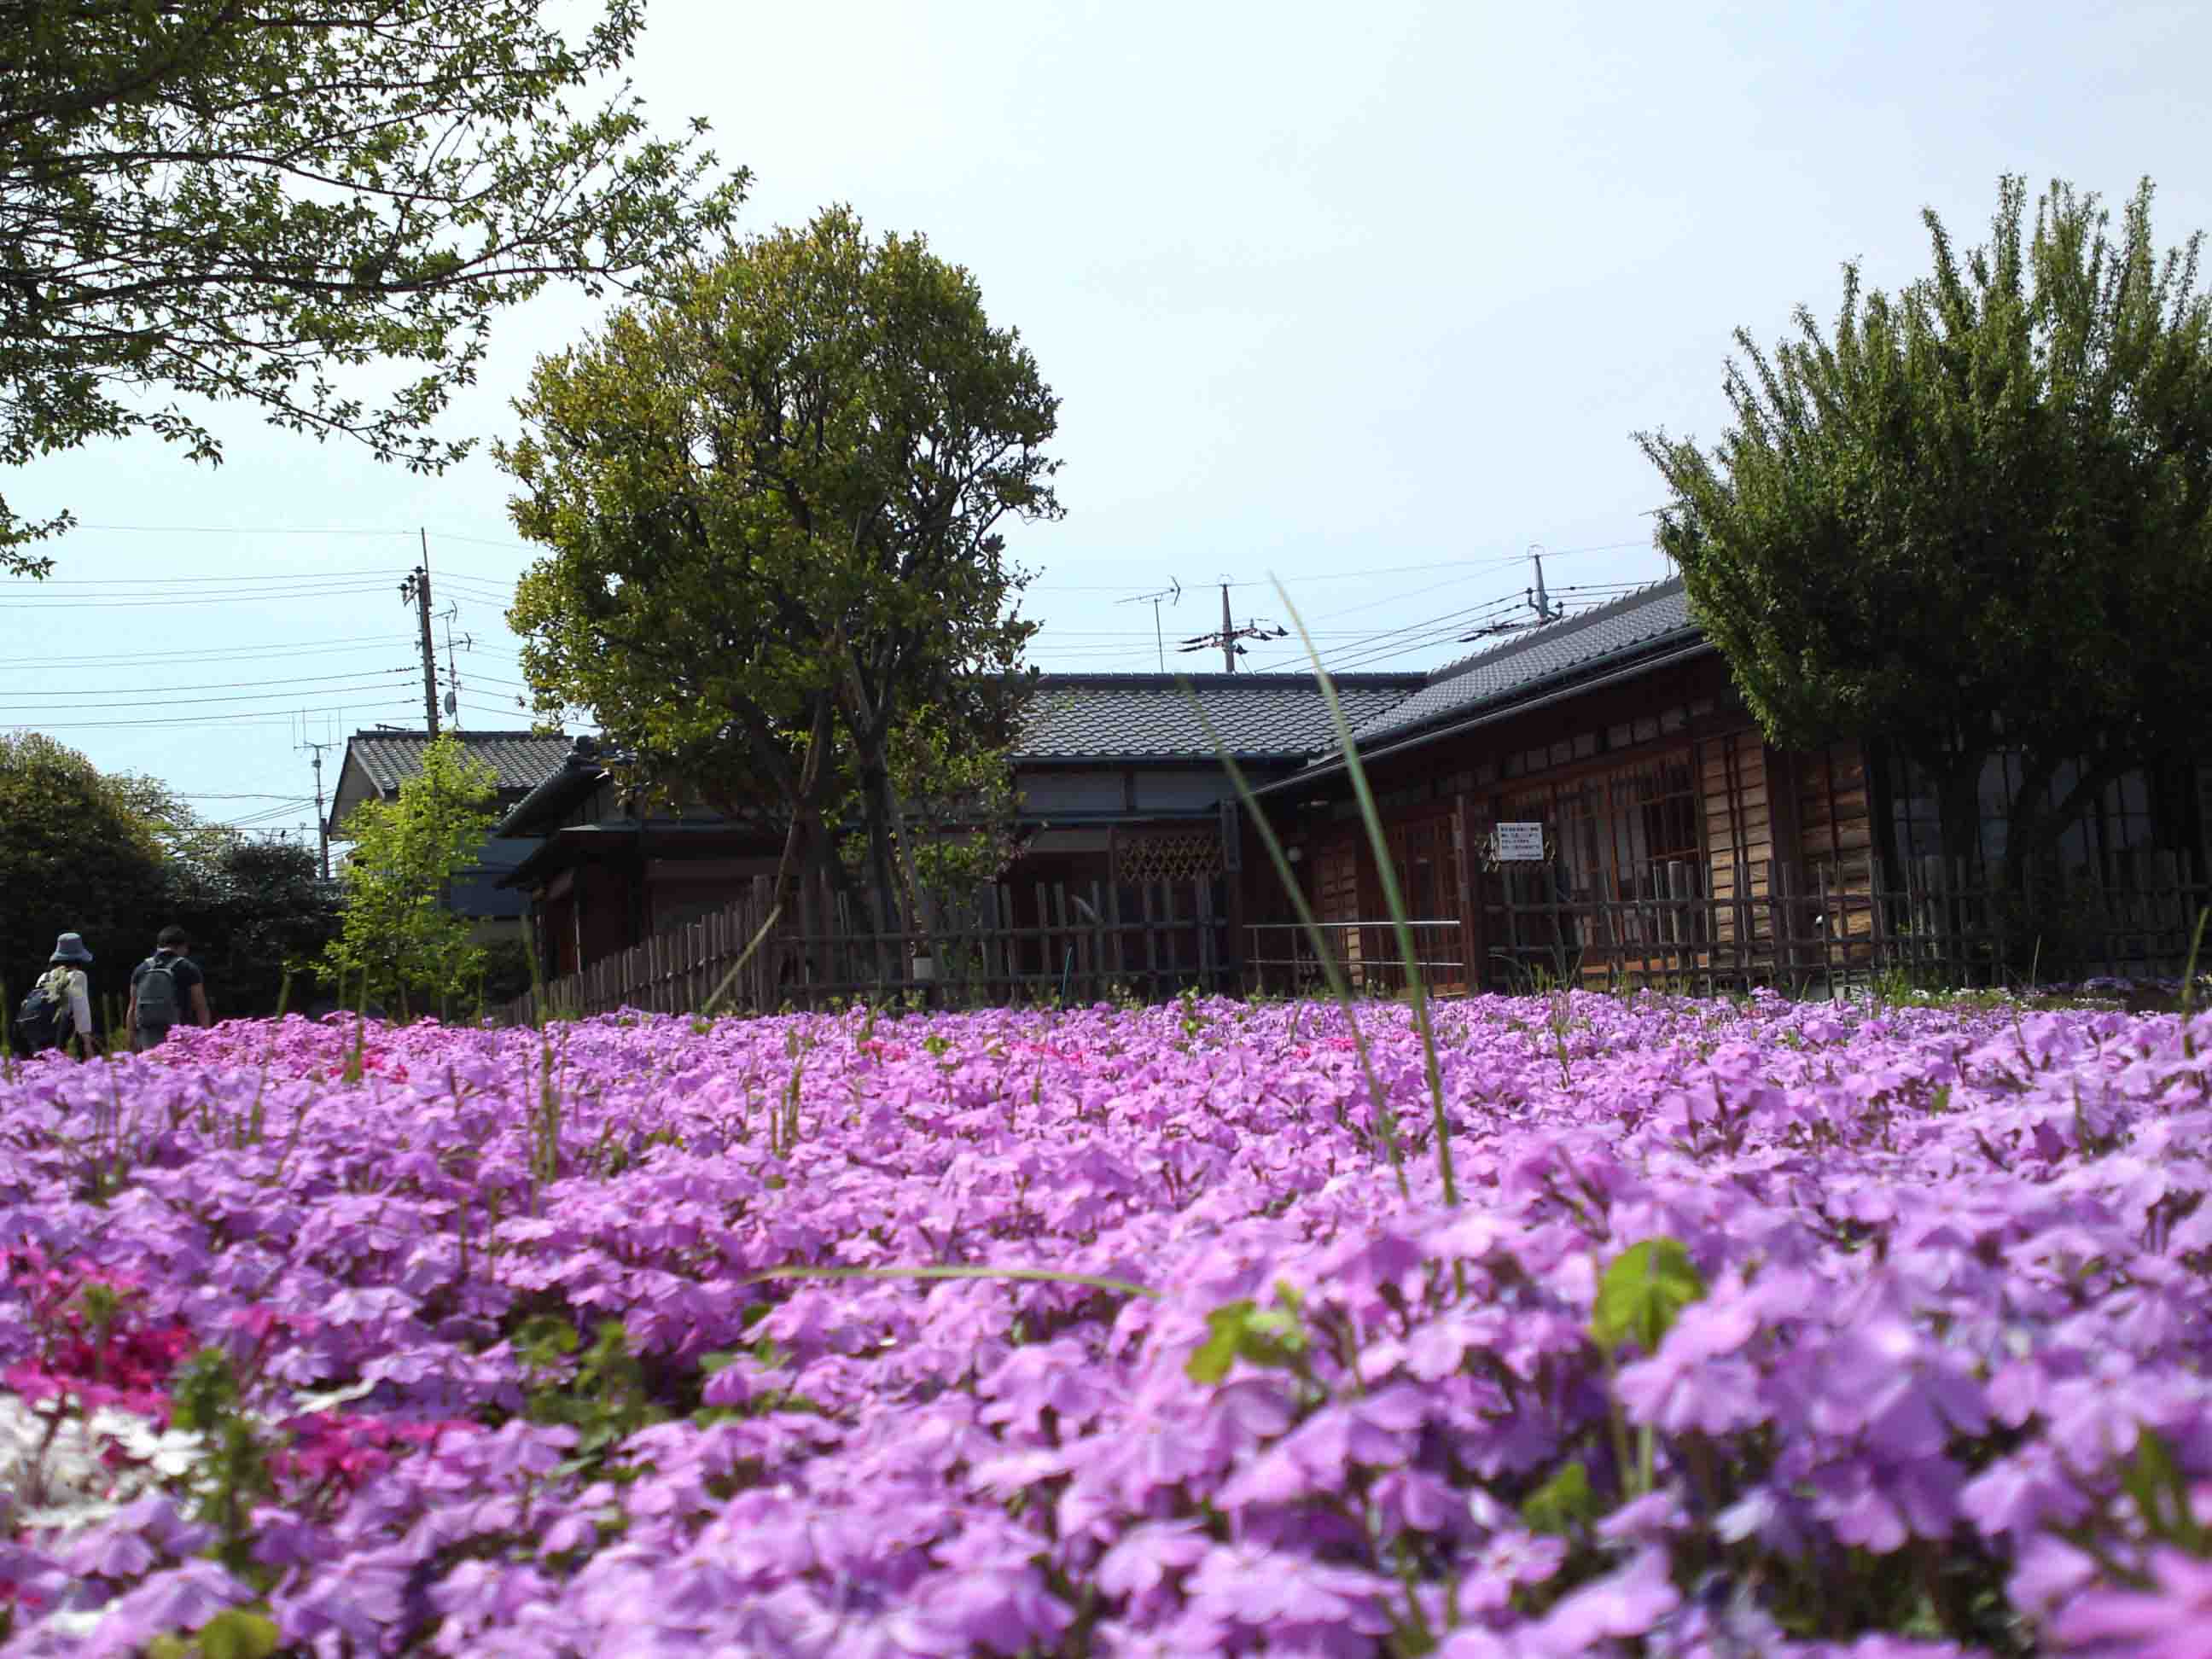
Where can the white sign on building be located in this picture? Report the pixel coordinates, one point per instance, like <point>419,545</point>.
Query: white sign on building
<point>1520,843</point>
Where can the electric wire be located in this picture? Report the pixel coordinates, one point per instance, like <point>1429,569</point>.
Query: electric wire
<point>139,700</point>
<point>213,654</point>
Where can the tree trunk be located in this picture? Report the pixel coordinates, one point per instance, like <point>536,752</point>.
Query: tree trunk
<point>2049,824</point>
<point>883,892</point>
<point>1959,809</point>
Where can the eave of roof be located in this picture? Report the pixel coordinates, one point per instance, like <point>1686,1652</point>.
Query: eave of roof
<point>563,790</point>
<point>653,834</point>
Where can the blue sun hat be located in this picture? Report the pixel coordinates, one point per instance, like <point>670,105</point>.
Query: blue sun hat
<point>70,947</point>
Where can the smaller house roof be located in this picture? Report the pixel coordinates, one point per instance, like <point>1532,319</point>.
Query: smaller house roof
<point>580,772</point>
<point>1074,718</point>
<point>521,760</point>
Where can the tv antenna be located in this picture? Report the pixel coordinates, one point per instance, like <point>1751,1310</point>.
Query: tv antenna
<point>1171,594</point>
<point>452,673</point>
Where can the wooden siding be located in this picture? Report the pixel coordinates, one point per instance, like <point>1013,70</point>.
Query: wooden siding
<point>1676,833</point>
<point>1739,829</point>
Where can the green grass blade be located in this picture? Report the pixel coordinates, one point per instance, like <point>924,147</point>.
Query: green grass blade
<point>738,966</point>
<point>1340,987</point>
<point>1392,897</point>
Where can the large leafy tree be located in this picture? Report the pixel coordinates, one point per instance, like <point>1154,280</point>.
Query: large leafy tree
<point>234,198</point>
<point>396,934</point>
<point>773,501</point>
<point>1975,516</point>
<point>80,852</point>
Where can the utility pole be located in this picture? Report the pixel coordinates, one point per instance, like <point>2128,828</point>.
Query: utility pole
<point>1546,611</point>
<point>1536,599</point>
<point>1228,638</point>
<point>417,587</point>
<point>322,826</point>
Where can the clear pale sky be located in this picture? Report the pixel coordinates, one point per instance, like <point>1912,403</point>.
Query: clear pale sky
<point>1371,298</point>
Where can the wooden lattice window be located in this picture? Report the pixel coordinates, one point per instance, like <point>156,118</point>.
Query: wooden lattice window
<point>1192,856</point>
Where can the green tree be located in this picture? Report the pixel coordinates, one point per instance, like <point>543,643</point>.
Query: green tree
<point>395,931</point>
<point>773,500</point>
<point>1976,517</point>
<point>952,790</point>
<point>232,200</point>
<point>80,852</point>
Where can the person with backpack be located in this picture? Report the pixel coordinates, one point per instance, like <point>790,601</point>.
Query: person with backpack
<point>167,989</point>
<point>59,1006</point>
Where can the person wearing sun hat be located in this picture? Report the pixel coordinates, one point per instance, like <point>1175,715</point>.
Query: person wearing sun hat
<point>65,983</point>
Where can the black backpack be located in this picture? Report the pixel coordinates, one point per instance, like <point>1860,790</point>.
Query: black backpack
<point>159,1003</point>
<point>44,1017</point>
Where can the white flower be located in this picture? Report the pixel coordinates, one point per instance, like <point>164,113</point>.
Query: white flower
<point>57,1463</point>
<point>309,1404</point>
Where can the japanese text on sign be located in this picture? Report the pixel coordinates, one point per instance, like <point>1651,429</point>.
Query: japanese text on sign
<point>1520,843</point>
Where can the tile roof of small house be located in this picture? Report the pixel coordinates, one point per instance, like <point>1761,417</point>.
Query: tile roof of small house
<point>1145,717</point>
<point>521,760</point>
<point>1648,619</point>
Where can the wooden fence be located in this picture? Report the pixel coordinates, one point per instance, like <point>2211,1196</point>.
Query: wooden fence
<point>1764,925</point>
<point>1032,944</point>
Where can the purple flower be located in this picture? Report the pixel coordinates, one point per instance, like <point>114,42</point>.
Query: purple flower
<point>1142,1561</point>
<point>2172,1619</point>
<point>1630,1602</point>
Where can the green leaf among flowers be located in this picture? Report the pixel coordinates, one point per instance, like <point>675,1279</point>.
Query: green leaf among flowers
<point>1647,1286</point>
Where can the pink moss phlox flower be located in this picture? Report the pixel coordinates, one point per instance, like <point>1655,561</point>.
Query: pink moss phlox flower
<point>2170,1620</point>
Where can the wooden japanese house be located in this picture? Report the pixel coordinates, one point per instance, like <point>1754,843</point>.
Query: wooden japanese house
<point>1672,842</point>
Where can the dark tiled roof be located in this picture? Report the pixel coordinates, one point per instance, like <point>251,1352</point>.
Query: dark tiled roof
<point>1647,619</point>
<point>1139,717</point>
<point>522,760</point>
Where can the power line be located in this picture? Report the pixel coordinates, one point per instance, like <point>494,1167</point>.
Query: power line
<point>165,582</point>
<point>1357,575</point>
<point>232,685</point>
<point>250,717</point>
<point>140,699</point>
<point>212,653</point>
<point>237,530</point>
<point>1450,621</point>
<point>212,598</point>
<point>265,816</point>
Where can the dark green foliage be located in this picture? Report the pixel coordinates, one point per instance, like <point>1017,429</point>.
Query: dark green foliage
<point>252,908</point>
<point>79,852</point>
<point>603,1393</point>
<point>1975,515</point>
<point>505,967</point>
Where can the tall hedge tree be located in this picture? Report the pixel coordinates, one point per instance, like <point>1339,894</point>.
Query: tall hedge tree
<point>773,501</point>
<point>1974,516</point>
<point>232,200</point>
<point>80,852</point>
<point>256,909</point>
